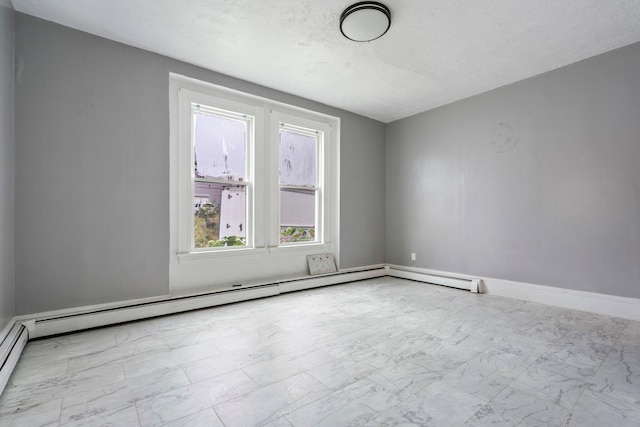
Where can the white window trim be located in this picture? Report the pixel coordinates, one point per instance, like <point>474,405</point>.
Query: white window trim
<point>323,206</point>
<point>186,98</point>
<point>264,224</point>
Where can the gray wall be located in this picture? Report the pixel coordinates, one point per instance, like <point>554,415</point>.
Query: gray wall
<point>7,17</point>
<point>536,182</point>
<point>92,169</point>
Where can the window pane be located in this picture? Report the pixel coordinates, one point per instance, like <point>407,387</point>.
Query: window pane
<point>219,147</point>
<point>220,215</point>
<point>297,159</point>
<point>297,215</point>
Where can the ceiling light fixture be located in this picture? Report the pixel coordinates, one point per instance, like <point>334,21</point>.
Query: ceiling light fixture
<point>365,21</point>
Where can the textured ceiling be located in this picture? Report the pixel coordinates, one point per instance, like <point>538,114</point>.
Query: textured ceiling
<point>436,52</point>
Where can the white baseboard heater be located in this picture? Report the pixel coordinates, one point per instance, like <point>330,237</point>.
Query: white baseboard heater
<point>437,278</point>
<point>10,349</point>
<point>65,321</point>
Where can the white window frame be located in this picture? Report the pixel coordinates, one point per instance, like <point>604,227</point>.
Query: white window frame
<point>263,204</point>
<point>223,106</point>
<point>304,124</point>
<point>194,104</point>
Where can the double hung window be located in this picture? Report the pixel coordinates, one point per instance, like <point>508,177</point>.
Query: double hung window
<point>252,174</point>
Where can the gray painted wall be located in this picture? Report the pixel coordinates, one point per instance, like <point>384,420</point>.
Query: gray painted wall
<point>92,169</point>
<point>6,165</point>
<point>536,182</point>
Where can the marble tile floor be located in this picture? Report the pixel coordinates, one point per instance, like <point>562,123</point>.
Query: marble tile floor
<point>379,352</point>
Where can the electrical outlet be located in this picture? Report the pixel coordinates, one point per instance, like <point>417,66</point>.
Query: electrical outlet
<point>413,256</point>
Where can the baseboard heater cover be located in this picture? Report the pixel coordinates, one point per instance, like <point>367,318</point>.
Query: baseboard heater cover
<point>87,320</point>
<point>467,283</point>
<point>65,322</point>
<point>10,351</point>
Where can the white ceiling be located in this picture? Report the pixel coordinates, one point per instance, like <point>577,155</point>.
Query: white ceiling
<point>436,52</point>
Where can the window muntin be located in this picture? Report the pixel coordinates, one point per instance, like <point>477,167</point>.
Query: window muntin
<point>220,143</point>
<point>298,160</point>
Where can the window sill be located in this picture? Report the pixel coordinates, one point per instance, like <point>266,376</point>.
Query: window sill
<point>307,248</point>
<point>225,253</point>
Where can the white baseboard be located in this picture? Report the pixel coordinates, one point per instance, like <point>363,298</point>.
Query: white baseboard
<point>46,326</point>
<point>352,276</point>
<point>609,305</point>
<point>69,320</point>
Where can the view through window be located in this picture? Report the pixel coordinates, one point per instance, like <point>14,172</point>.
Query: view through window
<point>298,156</point>
<point>220,178</point>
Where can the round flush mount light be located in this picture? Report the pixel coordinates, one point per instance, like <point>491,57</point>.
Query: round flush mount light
<point>365,21</point>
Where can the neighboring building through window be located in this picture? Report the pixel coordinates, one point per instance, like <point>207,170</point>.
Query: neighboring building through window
<point>220,144</point>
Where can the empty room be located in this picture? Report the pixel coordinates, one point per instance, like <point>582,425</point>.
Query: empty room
<point>319,213</point>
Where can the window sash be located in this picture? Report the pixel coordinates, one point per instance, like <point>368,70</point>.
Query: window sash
<point>295,125</point>
<point>204,106</point>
